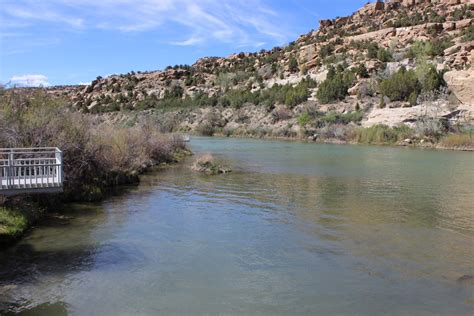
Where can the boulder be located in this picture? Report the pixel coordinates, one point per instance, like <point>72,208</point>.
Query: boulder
<point>461,83</point>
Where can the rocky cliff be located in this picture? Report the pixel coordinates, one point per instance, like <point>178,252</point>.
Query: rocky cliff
<point>392,62</point>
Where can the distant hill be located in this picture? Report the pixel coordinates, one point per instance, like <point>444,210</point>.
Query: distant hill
<point>387,63</point>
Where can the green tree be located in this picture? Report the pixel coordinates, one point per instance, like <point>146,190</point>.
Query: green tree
<point>334,87</point>
<point>400,85</point>
<point>293,64</point>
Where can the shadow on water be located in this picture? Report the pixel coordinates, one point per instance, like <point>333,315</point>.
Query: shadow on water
<point>61,244</point>
<point>50,309</point>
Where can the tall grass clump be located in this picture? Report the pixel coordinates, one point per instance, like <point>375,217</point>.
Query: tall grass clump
<point>382,134</point>
<point>457,141</point>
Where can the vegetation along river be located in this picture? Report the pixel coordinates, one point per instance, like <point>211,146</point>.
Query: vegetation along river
<point>296,229</point>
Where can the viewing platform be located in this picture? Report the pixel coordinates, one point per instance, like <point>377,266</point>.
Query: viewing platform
<point>31,170</point>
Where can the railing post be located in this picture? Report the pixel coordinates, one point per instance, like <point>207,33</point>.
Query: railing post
<point>10,170</point>
<point>59,160</point>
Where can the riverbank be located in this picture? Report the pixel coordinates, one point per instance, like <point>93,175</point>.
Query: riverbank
<point>96,156</point>
<point>457,142</point>
<point>303,123</point>
<point>18,215</point>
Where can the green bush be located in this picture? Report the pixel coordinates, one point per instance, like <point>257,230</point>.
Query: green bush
<point>400,85</point>
<point>335,86</point>
<point>293,64</point>
<point>413,98</point>
<point>304,119</point>
<point>468,34</point>
<point>432,80</point>
<point>422,49</point>
<point>382,134</point>
<point>326,50</point>
<point>333,117</point>
<point>287,94</point>
<point>205,129</point>
<point>361,71</point>
<point>384,55</point>
<point>372,50</point>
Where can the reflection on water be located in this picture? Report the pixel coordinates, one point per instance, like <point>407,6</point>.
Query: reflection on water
<point>297,229</point>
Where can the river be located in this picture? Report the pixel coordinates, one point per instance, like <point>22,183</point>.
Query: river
<point>297,228</point>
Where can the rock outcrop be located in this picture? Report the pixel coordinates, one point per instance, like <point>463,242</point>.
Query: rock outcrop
<point>380,36</point>
<point>462,85</point>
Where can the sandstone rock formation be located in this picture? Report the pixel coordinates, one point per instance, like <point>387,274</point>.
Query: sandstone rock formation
<point>443,26</point>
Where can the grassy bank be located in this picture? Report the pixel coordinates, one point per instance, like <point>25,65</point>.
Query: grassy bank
<point>96,156</point>
<point>354,134</point>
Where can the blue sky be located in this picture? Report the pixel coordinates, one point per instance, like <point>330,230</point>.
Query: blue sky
<point>53,42</point>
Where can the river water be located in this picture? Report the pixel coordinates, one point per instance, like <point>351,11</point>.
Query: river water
<point>295,229</point>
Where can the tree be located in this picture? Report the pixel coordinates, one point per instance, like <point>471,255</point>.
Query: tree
<point>333,88</point>
<point>400,85</point>
<point>293,64</point>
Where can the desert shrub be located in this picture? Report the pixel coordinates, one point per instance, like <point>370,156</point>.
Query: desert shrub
<point>326,50</point>
<point>333,117</point>
<point>468,34</point>
<point>285,94</point>
<point>461,141</point>
<point>422,49</point>
<point>382,134</point>
<point>430,79</point>
<point>372,50</point>
<point>95,156</point>
<point>429,127</point>
<point>400,85</point>
<point>335,86</point>
<point>464,12</point>
<point>412,99</point>
<point>205,129</point>
<point>361,71</point>
<point>292,64</point>
<point>304,119</point>
<point>384,55</point>
<point>281,113</point>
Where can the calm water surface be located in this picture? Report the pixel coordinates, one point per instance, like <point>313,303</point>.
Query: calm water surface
<point>296,229</point>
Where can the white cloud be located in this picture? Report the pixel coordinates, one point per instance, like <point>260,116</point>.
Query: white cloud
<point>29,81</point>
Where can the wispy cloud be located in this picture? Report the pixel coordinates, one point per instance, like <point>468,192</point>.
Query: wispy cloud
<point>193,40</point>
<point>246,22</point>
<point>29,81</point>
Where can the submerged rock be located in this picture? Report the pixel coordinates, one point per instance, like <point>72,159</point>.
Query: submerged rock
<point>207,164</point>
<point>466,279</point>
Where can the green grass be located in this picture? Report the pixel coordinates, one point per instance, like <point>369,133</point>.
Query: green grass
<point>382,134</point>
<point>13,222</point>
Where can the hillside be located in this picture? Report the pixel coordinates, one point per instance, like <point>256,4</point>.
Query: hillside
<point>399,62</point>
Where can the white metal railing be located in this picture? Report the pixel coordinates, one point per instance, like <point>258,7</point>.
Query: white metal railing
<point>24,169</point>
